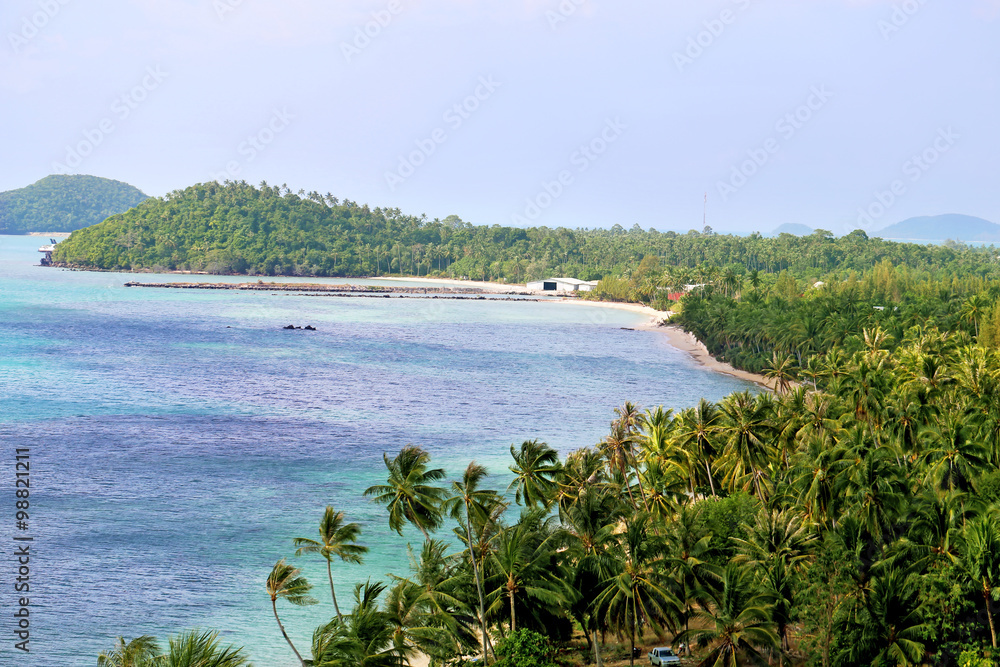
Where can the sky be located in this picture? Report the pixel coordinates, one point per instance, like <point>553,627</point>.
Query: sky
<point>835,114</point>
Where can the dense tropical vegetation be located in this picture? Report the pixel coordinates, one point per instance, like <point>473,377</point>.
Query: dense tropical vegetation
<point>64,204</point>
<point>267,230</point>
<point>799,322</point>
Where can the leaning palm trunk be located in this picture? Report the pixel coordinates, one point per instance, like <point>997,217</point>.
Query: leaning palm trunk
<point>631,653</point>
<point>989,613</point>
<point>479,585</point>
<point>638,480</point>
<point>513,623</point>
<point>333,594</point>
<point>593,643</point>
<point>274,606</point>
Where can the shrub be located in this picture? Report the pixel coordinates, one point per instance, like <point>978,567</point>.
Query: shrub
<point>525,648</point>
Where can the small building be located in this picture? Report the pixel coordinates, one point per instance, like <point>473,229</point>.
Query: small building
<point>562,285</point>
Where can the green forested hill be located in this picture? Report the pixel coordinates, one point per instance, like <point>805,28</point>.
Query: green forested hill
<point>64,204</point>
<point>239,228</point>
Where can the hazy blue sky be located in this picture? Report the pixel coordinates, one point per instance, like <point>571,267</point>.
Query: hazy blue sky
<point>582,113</point>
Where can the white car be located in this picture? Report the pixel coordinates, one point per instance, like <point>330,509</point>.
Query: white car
<point>663,656</point>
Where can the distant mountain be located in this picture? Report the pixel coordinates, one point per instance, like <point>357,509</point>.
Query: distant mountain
<point>793,228</point>
<point>940,227</point>
<point>65,204</point>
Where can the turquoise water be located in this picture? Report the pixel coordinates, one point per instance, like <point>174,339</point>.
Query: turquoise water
<point>181,439</point>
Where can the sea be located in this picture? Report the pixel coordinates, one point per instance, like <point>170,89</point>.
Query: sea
<point>179,440</point>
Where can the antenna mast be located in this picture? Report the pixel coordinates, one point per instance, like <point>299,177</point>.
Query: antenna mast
<point>704,220</point>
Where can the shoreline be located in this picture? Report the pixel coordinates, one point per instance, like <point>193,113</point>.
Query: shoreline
<point>686,342</point>
<point>658,320</point>
<point>676,338</point>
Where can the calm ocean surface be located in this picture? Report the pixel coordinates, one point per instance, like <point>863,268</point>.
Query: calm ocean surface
<point>181,439</point>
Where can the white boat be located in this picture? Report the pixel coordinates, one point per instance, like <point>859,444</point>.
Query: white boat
<point>48,250</point>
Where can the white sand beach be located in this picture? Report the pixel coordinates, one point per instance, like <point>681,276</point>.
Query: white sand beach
<point>686,342</point>
<point>496,287</point>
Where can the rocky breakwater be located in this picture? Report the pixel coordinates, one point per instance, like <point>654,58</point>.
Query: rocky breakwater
<point>319,289</point>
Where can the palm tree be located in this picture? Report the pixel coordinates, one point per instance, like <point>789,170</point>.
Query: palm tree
<point>814,369</point>
<point>336,539</point>
<point>699,434</point>
<point>428,611</point>
<point>955,459</point>
<point>874,491</point>
<point>408,492</point>
<point>468,503</point>
<point>889,623</point>
<point>775,535</point>
<point>781,371</point>
<point>815,478</point>
<point>746,430</point>
<point>536,469</point>
<point>584,470</point>
<point>363,639</point>
<point>736,621</point>
<point>635,595</point>
<point>981,562</point>
<point>523,564</point>
<point>201,649</point>
<point>288,583</point>
<point>139,652</point>
<point>687,549</point>
<point>663,458</point>
<point>974,308</point>
<point>876,340</point>
<point>865,387</point>
<point>775,544</point>
<point>629,416</point>
<point>617,448</point>
<point>590,525</point>
<point>667,483</point>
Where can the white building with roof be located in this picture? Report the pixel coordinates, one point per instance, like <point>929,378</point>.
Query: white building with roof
<point>562,285</point>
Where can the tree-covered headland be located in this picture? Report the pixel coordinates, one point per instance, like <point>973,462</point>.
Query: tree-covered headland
<point>64,204</point>
<point>268,230</point>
